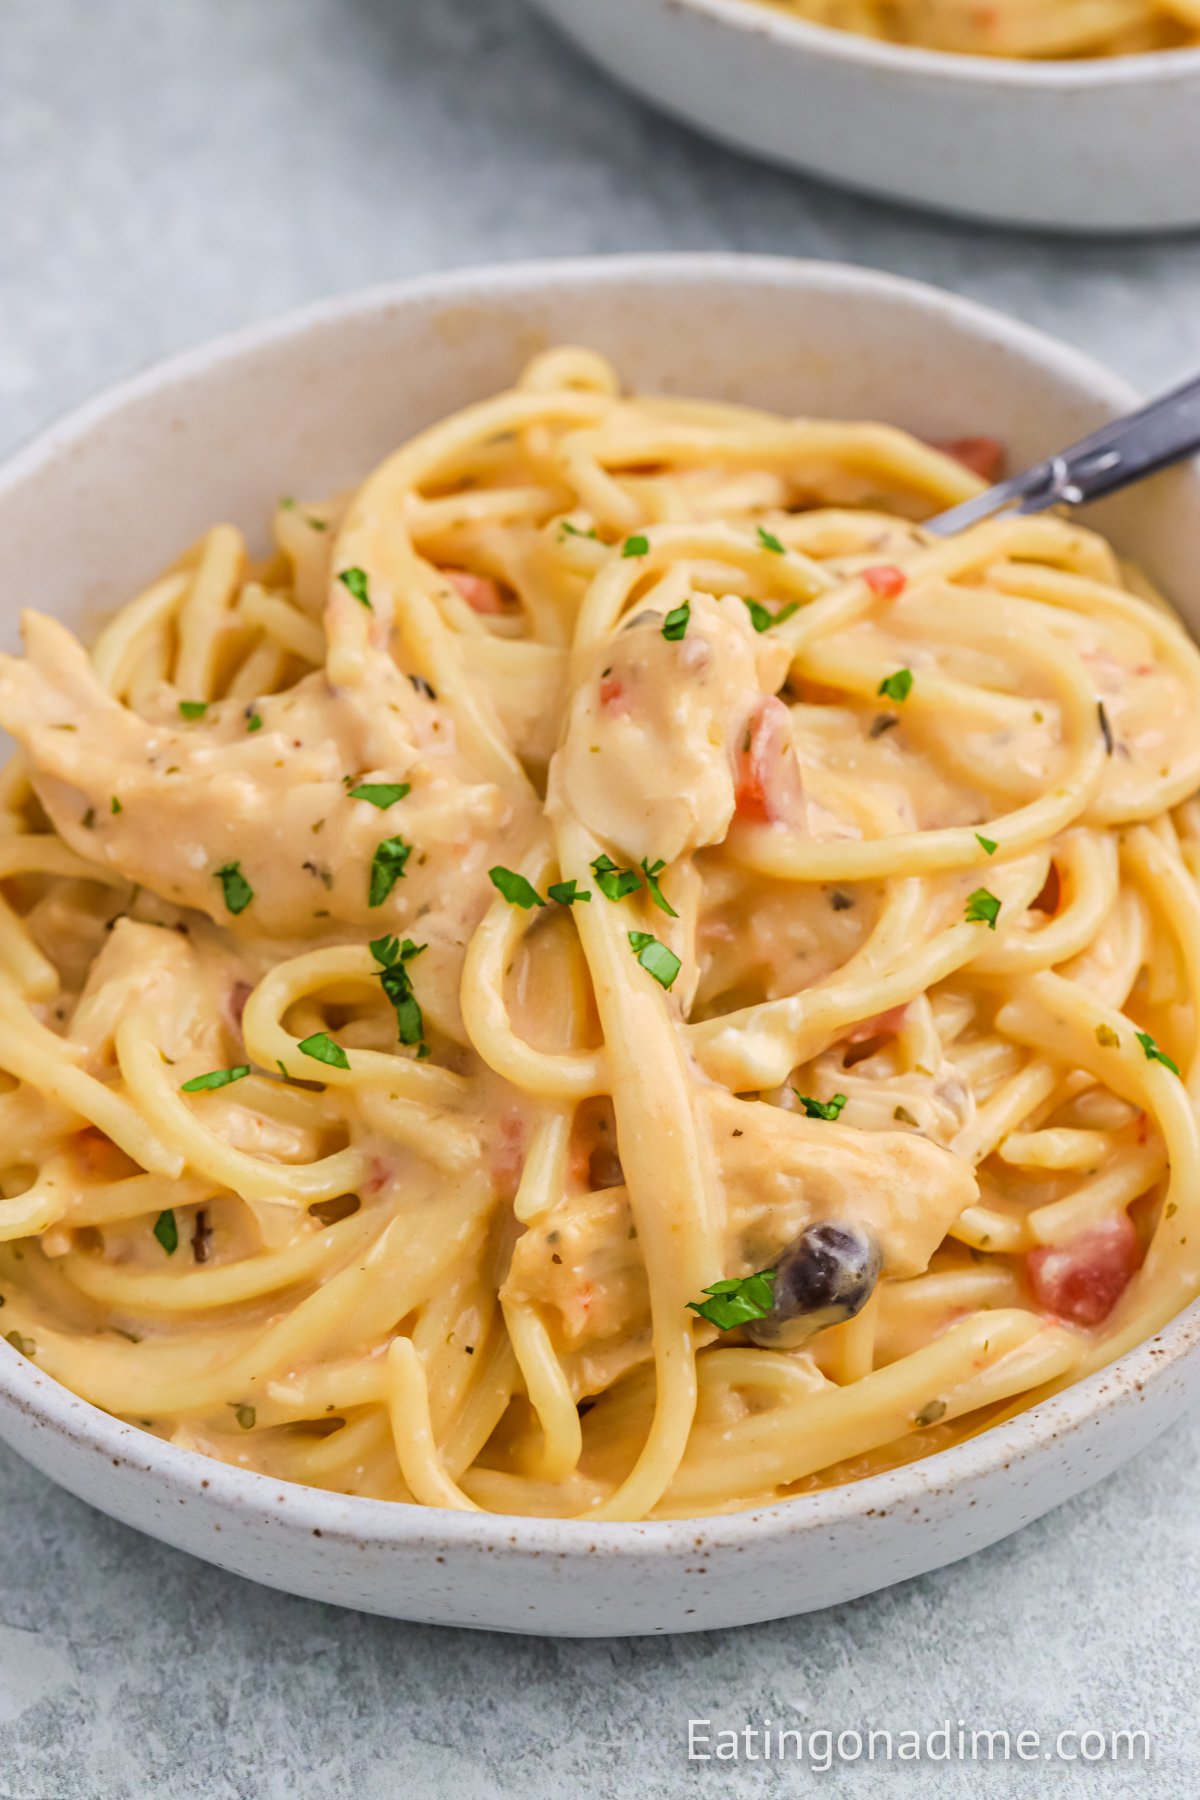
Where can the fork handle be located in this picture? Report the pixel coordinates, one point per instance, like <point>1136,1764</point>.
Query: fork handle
<point>1120,453</point>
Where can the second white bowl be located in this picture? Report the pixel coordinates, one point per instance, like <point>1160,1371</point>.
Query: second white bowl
<point>1110,144</point>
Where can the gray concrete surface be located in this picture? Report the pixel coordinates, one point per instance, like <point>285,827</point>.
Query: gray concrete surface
<point>169,168</point>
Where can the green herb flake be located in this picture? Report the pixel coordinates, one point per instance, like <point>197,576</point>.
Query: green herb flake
<point>381,793</point>
<point>514,888</point>
<point>897,686</point>
<point>652,871</point>
<point>762,619</point>
<point>246,1417</point>
<point>1152,1052</point>
<point>769,541</point>
<point>736,1302</point>
<point>116,806</point>
<point>676,622</point>
<point>614,883</point>
<point>393,958</point>
<point>638,545</point>
<point>192,709</point>
<point>253,721</point>
<point>566,530</point>
<point>566,893</point>
<point>216,1078</point>
<point>654,957</point>
<point>902,1116</point>
<point>238,892</point>
<point>166,1230</point>
<point>829,1110</point>
<point>355,583</point>
<point>930,1414</point>
<point>982,909</point>
<point>321,1047</point>
<point>989,844</point>
<point>1106,1036</point>
<point>387,866</point>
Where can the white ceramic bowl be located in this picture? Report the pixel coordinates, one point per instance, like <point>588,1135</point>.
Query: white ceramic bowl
<point>304,406</point>
<point>1107,144</point>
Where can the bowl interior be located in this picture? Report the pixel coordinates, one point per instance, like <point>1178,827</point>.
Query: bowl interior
<point>306,406</point>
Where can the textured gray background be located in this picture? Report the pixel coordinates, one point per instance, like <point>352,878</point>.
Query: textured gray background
<point>169,168</point>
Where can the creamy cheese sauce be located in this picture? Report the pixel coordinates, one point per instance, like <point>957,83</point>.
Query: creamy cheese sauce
<point>607,974</point>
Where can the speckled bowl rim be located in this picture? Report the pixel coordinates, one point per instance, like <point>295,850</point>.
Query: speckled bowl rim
<point>912,1487</point>
<point>1148,68</point>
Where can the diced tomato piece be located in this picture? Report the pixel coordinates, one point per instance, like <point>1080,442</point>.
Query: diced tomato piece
<point>613,697</point>
<point>884,1024</point>
<point>1082,1281</point>
<point>984,456</point>
<point>480,592</point>
<point>768,784</point>
<point>508,1154</point>
<point>886,581</point>
<point>98,1155</point>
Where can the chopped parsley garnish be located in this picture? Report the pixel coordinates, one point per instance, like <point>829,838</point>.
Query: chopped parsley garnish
<point>381,793</point>
<point>638,545</point>
<point>1107,1037</point>
<point>253,721</point>
<point>316,524</point>
<point>387,866</point>
<point>614,883</point>
<point>769,541</point>
<point>982,909</point>
<point>761,619</point>
<point>567,892</point>
<point>1106,730</point>
<point>355,583</point>
<point>321,1047</point>
<point>654,957</point>
<point>822,1109</point>
<point>930,1414</point>
<point>676,622</point>
<point>192,709</point>
<point>514,888</point>
<point>216,1078</point>
<point>238,892</point>
<point>897,686</point>
<point>736,1302</point>
<point>393,958</point>
<point>989,844</point>
<point>166,1231</point>
<point>566,529</point>
<point>652,872</point>
<point>246,1417</point>
<point>116,806</point>
<point>1152,1052</point>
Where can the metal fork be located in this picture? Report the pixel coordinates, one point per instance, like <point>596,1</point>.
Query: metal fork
<point>1120,453</point>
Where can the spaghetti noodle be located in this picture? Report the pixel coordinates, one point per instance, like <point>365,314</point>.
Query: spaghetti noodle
<point>1017,28</point>
<point>610,974</point>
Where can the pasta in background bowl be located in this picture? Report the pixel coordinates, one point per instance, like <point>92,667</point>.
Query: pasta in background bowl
<point>1033,28</point>
<point>641,568</point>
<point>1069,142</point>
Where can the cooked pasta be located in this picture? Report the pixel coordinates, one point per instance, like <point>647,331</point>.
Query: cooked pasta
<point>1020,28</point>
<point>609,974</point>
